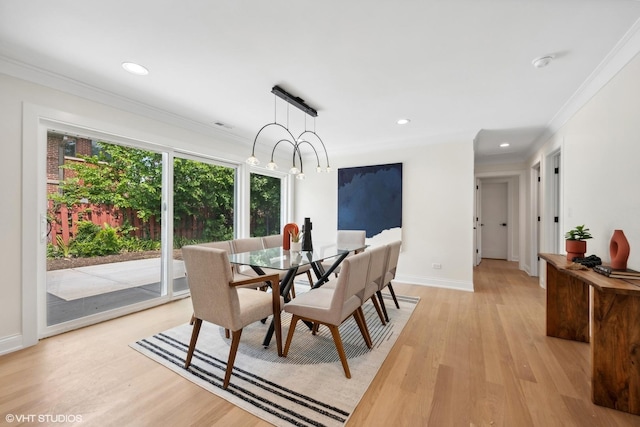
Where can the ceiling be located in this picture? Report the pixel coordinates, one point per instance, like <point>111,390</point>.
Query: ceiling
<point>455,68</point>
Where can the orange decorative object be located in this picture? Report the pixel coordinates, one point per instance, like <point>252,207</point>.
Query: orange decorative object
<point>286,238</point>
<point>619,250</point>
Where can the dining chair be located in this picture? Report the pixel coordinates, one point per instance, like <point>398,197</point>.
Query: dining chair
<point>246,244</point>
<point>345,238</point>
<point>249,244</point>
<point>272,241</point>
<point>392,263</point>
<point>217,299</point>
<point>375,276</point>
<point>276,241</point>
<point>331,307</point>
<point>226,246</point>
<point>222,244</point>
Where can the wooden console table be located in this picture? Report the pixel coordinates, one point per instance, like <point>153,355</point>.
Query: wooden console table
<point>615,328</point>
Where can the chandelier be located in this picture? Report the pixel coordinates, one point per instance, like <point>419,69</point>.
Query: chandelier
<point>296,143</point>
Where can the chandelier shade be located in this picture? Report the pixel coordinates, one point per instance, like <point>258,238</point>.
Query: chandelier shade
<point>295,143</point>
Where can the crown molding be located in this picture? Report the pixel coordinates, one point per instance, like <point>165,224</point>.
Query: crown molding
<point>37,75</point>
<point>621,54</point>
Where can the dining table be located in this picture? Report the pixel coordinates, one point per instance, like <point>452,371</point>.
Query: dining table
<point>278,258</point>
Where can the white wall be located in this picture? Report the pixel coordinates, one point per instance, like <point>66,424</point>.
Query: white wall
<point>10,216</point>
<point>600,151</point>
<point>437,209</point>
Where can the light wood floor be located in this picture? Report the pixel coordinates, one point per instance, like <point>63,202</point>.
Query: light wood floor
<point>464,359</point>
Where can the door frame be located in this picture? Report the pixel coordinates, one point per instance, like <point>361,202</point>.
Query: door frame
<point>536,212</point>
<point>477,231</point>
<point>517,185</point>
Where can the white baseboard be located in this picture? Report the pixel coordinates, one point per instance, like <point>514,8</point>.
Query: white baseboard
<point>10,344</point>
<point>457,285</point>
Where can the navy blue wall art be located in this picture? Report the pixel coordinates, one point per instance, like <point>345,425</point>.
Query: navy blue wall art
<point>370,198</point>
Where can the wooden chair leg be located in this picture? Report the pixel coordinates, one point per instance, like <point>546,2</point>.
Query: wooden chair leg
<point>194,338</point>
<point>226,333</point>
<point>292,329</point>
<point>393,295</point>
<point>378,309</point>
<point>310,278</point>
<point>358,315</point>
<point>235,340</point>
<point>384,308</point>
<point>338,342</point>
<point>193,318</point>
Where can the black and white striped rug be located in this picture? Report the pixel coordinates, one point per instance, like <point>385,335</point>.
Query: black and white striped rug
<point>307,388</point>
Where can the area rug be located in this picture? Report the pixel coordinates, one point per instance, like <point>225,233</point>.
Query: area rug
<point>307,388</point>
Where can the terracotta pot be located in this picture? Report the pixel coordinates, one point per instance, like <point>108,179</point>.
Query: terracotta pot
<point>575,249</point>
<point>619,250</point>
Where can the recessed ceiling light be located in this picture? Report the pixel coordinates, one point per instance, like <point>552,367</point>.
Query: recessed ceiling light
<point>504,145</point>
<point>403,121</point>
<point>542,62</point>
<point>134,68</point>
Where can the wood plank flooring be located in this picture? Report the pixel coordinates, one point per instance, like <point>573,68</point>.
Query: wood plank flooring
<point>464,359</point>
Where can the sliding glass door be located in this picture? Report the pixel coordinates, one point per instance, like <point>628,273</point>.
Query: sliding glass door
<point>203,207</point>
<point>103,226</point>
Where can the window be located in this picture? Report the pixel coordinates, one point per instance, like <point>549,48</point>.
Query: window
<point>105,211</point>
<point>266,208</point>
<point>69,146</point>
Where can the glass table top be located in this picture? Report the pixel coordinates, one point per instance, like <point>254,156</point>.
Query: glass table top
<point>280,259</point>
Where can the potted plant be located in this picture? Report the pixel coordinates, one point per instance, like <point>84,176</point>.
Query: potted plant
<point>575,244</point>
<point>296,244</point>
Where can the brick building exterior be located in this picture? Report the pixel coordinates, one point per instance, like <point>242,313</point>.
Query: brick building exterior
<point>62,149</point>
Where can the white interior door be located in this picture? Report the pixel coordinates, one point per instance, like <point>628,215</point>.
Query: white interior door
<point>494,220</point>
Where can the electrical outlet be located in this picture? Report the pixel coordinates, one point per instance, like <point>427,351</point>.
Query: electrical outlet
<point>436,265</point>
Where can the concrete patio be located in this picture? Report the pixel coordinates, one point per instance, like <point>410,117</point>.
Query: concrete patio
<point>78,292</point>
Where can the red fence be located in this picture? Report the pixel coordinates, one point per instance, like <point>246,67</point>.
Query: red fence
<point>63,221</point>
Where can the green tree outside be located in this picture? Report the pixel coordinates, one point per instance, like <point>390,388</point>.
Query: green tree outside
<point>265,205</point>
<point>124,177</point>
